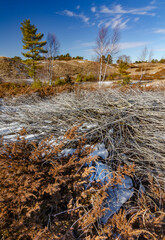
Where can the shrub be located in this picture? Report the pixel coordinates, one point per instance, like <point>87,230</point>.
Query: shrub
<point>126,80</point>
<point>37,84</point>
<point>59,82</point>
<point>68,79</point>
<point>112,76</point>
<point>79,78</point>
<point>87,78</point>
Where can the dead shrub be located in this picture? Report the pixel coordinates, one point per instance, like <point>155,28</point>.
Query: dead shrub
<point>43,196</point>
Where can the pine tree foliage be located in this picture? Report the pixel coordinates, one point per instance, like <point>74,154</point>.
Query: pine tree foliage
<point>33,44</point>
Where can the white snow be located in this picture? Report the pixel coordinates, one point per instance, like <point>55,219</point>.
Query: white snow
<point>81,61</point>
<point>100,150</point>
<point>12,137</point>
<point>68,151</point>
<point>87,126</point>
<point>106,83</point>
<point>117,196</point>
<point>9,128</point>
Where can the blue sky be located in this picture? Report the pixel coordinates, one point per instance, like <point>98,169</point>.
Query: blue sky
<point>76,24</point>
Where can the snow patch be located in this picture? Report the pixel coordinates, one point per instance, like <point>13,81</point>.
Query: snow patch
<point>88,126</point>
<point>117,196</point>
<point>100,150</point>
<point>68,151</point>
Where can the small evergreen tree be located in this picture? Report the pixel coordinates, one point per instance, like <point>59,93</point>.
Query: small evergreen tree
<point>33,44</point>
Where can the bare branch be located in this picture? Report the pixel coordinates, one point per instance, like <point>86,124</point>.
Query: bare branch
<point>52,50</point>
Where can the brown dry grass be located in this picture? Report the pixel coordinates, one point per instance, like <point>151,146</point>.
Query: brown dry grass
<point>42,196</point>
<point>15,89</point>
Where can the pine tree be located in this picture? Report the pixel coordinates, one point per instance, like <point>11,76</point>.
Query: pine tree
<point>33,44</point>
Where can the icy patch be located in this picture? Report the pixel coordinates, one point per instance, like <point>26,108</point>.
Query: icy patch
<point>80,61</point>
<point>117,196</point>
<point>106,83</point>
<point>100,150</point>
<point>9,128</point>
<point>68,151</point>
<point>47,121</point>
<point>88,126</point>
<point>31,136</point>
<point>12,137</point>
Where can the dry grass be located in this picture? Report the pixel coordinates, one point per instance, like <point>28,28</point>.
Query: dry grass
<point>15,89</point>
<point>42,196</point>
<point>135,118</point>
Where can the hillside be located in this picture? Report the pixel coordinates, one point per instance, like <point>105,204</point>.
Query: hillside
<point>11,69</point>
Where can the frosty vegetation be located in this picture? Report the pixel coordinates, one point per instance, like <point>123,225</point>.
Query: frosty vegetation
<point>115,140</point>
<point>129,124</point>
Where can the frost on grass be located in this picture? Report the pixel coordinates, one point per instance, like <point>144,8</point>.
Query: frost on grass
<point>100,150</point>
<point>53,181</point>
<point>128,123</point>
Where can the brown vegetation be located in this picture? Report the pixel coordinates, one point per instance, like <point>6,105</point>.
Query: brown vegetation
<point>43,196</point>
<point>12,69</point>
<point>10,89</point>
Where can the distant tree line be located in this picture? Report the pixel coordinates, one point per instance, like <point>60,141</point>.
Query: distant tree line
<point>67,57</point>
<point>162,60</point>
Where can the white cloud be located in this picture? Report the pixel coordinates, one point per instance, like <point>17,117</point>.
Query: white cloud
<point>118,9</point>
<point>136,19</point>
<point>153,2</point>
<point>68,13</point>
<point>83,45</point>
<point>93,9</point>
<point>87,44</point>
<point>100,23</point>
<point>161,30</point>
<point>117,21</point>
<point>78,7</point>
<point>159,50</point>
<point>127,45</point>
<point>81,16</point>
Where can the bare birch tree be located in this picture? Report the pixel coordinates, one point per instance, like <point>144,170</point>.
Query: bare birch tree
<point>151,53</point>
<point>106,46</point>
<point>102,45</point>
<point>52,48</point>
<point>142,59</point>
<point>113,48</point>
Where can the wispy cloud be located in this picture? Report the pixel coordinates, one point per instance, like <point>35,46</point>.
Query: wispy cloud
<point>118,9</point>
<point>93,9</point>
<point>88,44</point>
<point>136,19</point>
<point>81,16</point>
<point>117,21</point>
<point>117,15</point>
<point>153,2</point>
<point>161,30</point>
<point>159,50</point>
<point>85,46</point>
<point>127,45</point>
